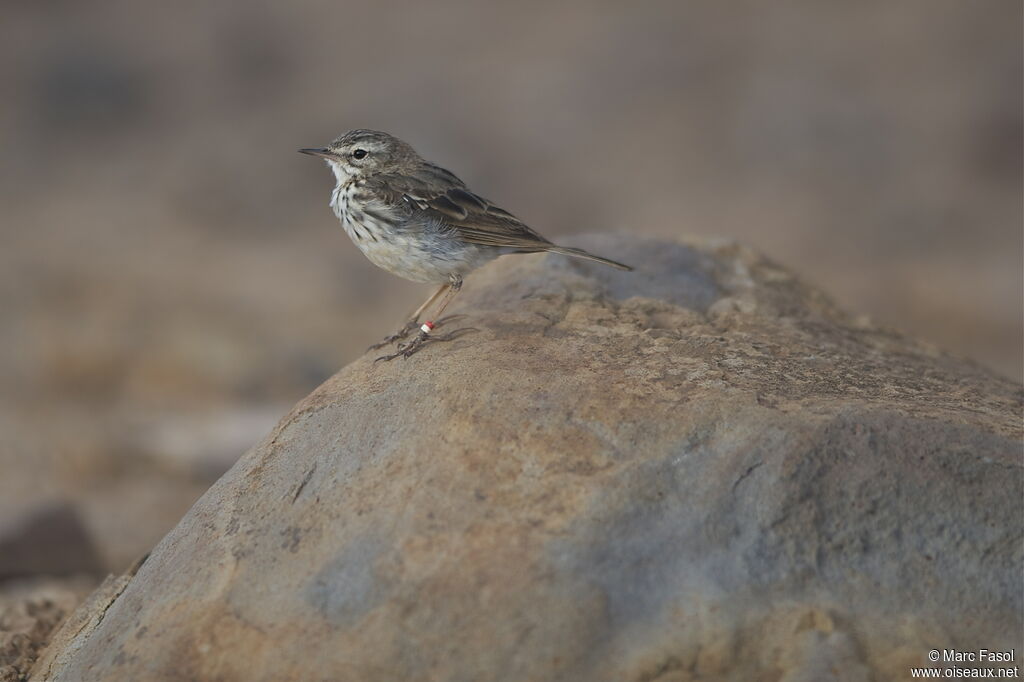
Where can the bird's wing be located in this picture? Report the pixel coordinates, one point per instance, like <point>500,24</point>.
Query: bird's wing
<point>438,193</point>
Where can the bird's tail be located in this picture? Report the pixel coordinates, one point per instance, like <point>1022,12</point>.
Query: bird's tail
<point>580,253</point>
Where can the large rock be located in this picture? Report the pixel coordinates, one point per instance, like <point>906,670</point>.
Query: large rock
<point>698,470</point>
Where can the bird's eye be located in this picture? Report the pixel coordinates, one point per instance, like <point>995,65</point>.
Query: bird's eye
<point>359,153</point>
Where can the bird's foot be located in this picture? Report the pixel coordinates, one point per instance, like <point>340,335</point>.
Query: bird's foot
<point>405,350</point>
<point>409,328</point>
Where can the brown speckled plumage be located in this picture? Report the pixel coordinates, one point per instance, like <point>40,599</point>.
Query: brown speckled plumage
<point>420,221</point>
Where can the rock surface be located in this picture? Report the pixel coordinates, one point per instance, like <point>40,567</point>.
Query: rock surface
<point>697,471</point>
<point>29,611</point>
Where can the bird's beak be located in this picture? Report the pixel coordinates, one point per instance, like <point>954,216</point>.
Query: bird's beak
<point>319,151</point>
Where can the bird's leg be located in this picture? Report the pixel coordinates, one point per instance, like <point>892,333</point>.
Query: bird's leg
<point>424,337</point>
<point>454,286</point>
<point>413,322</point>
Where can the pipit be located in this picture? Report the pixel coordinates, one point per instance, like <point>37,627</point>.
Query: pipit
<point>420,222</point>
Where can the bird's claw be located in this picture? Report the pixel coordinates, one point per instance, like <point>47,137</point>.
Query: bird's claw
<point>409,328</point>
<point>406,350</point>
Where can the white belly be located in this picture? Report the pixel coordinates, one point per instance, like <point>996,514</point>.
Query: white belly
<point>417,253</point>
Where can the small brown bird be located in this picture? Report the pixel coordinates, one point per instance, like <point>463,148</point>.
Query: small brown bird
<point>419,221</point>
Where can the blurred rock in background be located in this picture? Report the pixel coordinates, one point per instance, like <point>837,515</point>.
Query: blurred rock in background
<point>171,278</point>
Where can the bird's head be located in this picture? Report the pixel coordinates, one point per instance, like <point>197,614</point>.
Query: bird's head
<point>361,153</point>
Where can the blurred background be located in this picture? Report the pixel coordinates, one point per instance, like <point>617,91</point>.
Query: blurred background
<point>172,279</point>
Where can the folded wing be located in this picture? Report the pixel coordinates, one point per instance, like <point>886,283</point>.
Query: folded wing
<point>442,196</point>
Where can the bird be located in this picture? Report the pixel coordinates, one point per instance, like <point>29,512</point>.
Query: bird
<point>420,222</point>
